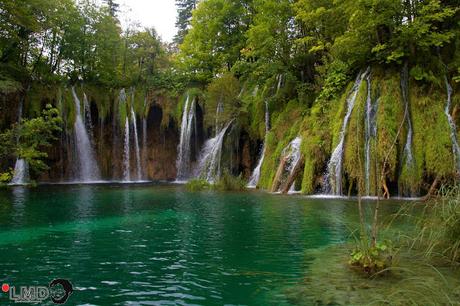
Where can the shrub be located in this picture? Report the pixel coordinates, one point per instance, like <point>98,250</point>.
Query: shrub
<point>372,259</point>
<point>229,182</point>
<point>197,185</point>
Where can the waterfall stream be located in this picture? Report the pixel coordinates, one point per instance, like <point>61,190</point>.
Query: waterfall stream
<point>255,176</point>
<point>136,145</point>
<point>21,168</point>
<point>405,95</point>
<point>126,153</point>
<point>293,153</point>
<point>210,157</point>
<point>453,128</point>
<point>21,172</point>
<point>334,167</point>
<point>88,169</point>
<point>188,125</point>
<point>370,131</point>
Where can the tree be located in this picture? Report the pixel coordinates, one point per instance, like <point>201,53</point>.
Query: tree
<point>184,17</point>
<point>28,138</point>
<point>113,7</point>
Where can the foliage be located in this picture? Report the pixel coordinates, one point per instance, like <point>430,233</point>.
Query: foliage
<point>197,185</point>
<point>30,137</point>
<point>372,259</point>
<point>228,182</point>
<point>437,235</point>
<point>7,176</point>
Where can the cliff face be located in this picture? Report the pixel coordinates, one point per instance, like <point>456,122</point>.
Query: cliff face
<point>156,131</point>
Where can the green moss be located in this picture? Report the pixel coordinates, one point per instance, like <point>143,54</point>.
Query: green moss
<point>390,115</point>
<point>354,139</point>
<point>286,126</point>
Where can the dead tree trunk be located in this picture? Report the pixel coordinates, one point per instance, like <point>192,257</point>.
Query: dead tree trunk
<point>295,172</point>
<point>279,173</point>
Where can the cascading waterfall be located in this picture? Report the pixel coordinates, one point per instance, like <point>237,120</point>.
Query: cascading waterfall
<point>88,170</point>
<point>21,172</point>
<point>254,179</point>
<point>136,145</point>
<point>126,153</point>
<point>293,153</point>
<point>210,157</point>
<point>334,167</point>
<point>144,133</point>
<point>280,82</point>
<point>126,140</point>
<point>370,131</point>
<point>219,111</point>
<point>21,168</point>
<point>405,95</point>
<point>185,145</point>
<point>453,127</point>
<point>136,139</point>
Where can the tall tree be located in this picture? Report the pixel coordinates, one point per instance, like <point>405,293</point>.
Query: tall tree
<point>184,17</point>
<point>113,7</point>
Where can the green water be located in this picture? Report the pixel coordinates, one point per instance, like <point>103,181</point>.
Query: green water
<point>161,245</point>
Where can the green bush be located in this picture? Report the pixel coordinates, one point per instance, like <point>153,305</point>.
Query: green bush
<point>229,182</point>
<point>197,185</point>
<point>372,259</point>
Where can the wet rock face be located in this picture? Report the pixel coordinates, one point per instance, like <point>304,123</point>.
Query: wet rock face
<point>157,149</point>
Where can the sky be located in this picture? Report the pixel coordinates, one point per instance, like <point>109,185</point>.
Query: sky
<point>160,14</point>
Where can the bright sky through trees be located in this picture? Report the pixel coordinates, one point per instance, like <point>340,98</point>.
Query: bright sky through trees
<point>160,14</point>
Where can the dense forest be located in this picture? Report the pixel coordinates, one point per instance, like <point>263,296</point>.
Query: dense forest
<point>321,96</point>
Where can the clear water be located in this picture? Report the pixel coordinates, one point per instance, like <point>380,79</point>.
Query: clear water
<point>158,244</point>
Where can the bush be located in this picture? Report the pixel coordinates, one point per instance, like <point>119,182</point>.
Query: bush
<point>372,259</point>
<point>197,185</point>
<point>229,182</point>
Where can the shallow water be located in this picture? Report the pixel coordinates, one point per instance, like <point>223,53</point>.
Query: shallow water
<point>160,245</point>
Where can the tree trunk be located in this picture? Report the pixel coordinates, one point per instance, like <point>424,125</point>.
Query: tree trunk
<point>279,173</point>
<point>295,173</point>
<point>432,189</point>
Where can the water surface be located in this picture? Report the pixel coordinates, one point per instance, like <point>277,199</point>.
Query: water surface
<point>161,245</point>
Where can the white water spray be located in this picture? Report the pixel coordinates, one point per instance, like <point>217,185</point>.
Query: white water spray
<point>210,157</point>
<point>88,169</point>
<point>334,167</point>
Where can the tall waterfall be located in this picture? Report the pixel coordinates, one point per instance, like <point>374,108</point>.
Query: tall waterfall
<point>21,172</point>
<point>293,153</point>
<point>185,145</point>
<point>405,95</point>
<point>21,168</point>
<point>210,157</point>
<point>126,139</point>
<point>370,131</point>
<point>88,170</point>
<point>334,167</point>
<point>136,145</point>
<point>126,153</point>
<point>453,127</point>
<point>254,179</point>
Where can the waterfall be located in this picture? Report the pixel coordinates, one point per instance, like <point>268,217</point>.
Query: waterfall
<point>136,145</point>
<point>185,145</point>
<point>254,179</point>
<point>280,82</point>
<point>453,128</point>
<point>293,153</point>
<point>210,157</point>
<point>370,131</point>
<point>334,167</point>
<point>88,169</point>
<point>405,95</point>
<point>126,165</point>
<point>21,172</point>
<point>21,168</point>
<point>219,111</point>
